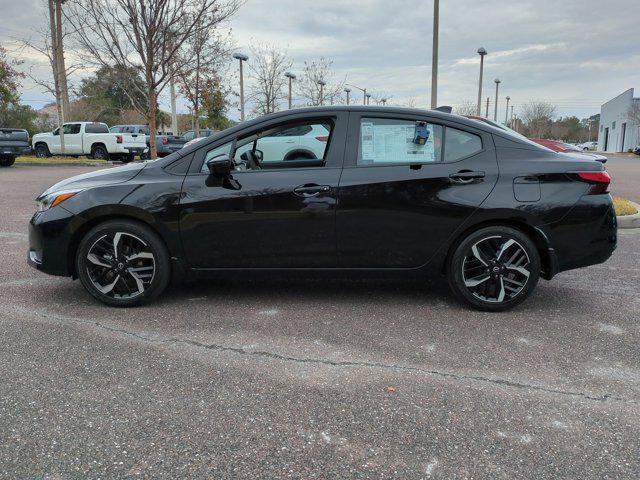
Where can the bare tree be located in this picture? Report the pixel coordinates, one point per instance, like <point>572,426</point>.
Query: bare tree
<point>466,107</point>
<point>634,112</point>
<point>204,56</point>
<point>267,68</point>
<point>144,34</point>
<point>537,117</point>
<point>309,89</point>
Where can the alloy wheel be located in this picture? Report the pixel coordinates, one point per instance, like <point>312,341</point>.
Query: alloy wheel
<point>120,265</point>
<point>496,269</point>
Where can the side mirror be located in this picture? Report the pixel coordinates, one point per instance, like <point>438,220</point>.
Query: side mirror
<point>220,166</point>
<point>259,155</point>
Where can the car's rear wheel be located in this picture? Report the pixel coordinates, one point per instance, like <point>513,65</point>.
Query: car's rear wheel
<point>100,153</point>
<point>123,263</point>
<point>7,161</point>
<point>494,268</point>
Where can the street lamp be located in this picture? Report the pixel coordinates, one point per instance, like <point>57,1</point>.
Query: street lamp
<point>506,113</point>
<point>495,113</point>
<point>384,102</point>
<point>322,83</point>
<point>434,55</point>
<point>363,90</point>
<point>368,98</point>
<point>242,58</point>
<point>291,78</point>
<point>482,52</point>
<point>348,91</point>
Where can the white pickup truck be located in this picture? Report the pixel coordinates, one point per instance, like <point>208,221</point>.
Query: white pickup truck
<point>91,139</point>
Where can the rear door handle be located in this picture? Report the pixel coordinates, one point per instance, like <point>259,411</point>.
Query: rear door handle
<point>311,190</point>
<point>466,176</point>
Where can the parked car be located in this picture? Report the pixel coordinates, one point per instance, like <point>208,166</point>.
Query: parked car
<point>588,146</point>
<point>13,143</point>
<point>562,147</point>
<point>396,191</point>
<point>191,137</point>
<point>92,139</point>
<point>165,143</point>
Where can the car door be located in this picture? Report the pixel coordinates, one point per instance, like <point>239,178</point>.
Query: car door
<point>279,216</point>
<point>73,138</point>
<point>398,201</point>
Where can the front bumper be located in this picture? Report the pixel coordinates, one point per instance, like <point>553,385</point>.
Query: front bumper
<point>50,234</point>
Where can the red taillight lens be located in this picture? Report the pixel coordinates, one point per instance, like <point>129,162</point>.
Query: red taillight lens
<point>322,139</point>
<point>599,180</point>
<point>118,138</point>
<point>165,141</point>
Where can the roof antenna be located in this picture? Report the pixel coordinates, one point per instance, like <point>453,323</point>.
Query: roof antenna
<point>444,109</point>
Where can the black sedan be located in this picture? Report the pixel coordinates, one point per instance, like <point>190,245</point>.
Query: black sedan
<point>384,190</point>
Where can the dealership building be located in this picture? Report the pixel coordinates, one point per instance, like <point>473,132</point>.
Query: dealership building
<point>618,132</point>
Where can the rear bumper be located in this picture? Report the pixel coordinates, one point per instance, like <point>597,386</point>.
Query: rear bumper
<point>588,235</point>
<point>49,240</point>
<point>14,150</point>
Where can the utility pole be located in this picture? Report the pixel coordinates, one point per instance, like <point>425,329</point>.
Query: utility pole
<point>56,72</point>
<point>434,55</point>
<point>242,58</point>
<point>506,113</point>
<point>64,89</point>
<point>348,91</point>
<point>291,78</point>
<point>495,113</point>
<point>486,115</point>
<point>482,52</point>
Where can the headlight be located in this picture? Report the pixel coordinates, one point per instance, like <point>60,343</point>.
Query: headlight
<point>52,199</point>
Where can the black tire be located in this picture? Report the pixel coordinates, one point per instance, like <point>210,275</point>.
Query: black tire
<point>513,271</point>
<point>145,156</point>
<point>128,158</point>
<point>99,153</point>
<point>125,278</point>
<point>7,161</point>
<point>300,155</point>
<point>42,151</point>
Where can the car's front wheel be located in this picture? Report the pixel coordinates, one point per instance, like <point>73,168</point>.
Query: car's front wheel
<point>7,161</point>
<point>494,268</point>
<point>123,263</point>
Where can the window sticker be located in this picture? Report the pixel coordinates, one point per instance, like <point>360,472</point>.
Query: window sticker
<point>395,143</point>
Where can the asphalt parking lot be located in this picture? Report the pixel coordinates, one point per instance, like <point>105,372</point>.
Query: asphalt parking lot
<point>316,378</point>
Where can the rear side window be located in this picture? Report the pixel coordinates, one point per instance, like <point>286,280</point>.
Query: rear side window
<point>96,128</point>
<point>459,144</point>
<point>389,141</point>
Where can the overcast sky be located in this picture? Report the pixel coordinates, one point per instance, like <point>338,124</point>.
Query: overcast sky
<point>574,53</point>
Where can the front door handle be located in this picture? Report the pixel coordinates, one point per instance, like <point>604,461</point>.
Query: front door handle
<point>311,190</point>
<point>466,176</point>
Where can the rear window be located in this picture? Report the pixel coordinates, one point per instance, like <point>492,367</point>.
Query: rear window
<point>459,144</point>
<point>96,128</point>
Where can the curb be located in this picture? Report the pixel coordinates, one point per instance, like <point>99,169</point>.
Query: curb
<point>630,221</point>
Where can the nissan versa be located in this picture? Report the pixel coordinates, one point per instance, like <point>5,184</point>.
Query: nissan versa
<point>399,191</point>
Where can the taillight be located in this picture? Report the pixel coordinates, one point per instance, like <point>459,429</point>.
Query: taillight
<point>118,138</point>
<point>322,139</point>
<point>165,141</point>
<point>599,180</point>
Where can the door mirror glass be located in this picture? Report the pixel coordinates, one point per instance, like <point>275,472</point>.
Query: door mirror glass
<point>220,166</point>
<point>56,131</point>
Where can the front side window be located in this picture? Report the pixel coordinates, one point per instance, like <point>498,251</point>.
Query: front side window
<point>71,128</point>
<point>459,144</point>
<point>388,141</point>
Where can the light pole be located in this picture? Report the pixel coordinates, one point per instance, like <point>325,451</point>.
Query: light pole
<point>348,91</point>
<point>434,55</point>
<point>363,90</point>
<point>322,83</point>
<point>242,58</point>
<point>368,97</point>
<point>291,78</point>
<point>482,52</point>
<point>384,102</point>
<point>511,118</point>
<point>506,113</point>
<point>495,113</point>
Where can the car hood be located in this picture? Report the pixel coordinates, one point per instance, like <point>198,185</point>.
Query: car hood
<point>586,156</point>
<point>108,176</point>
